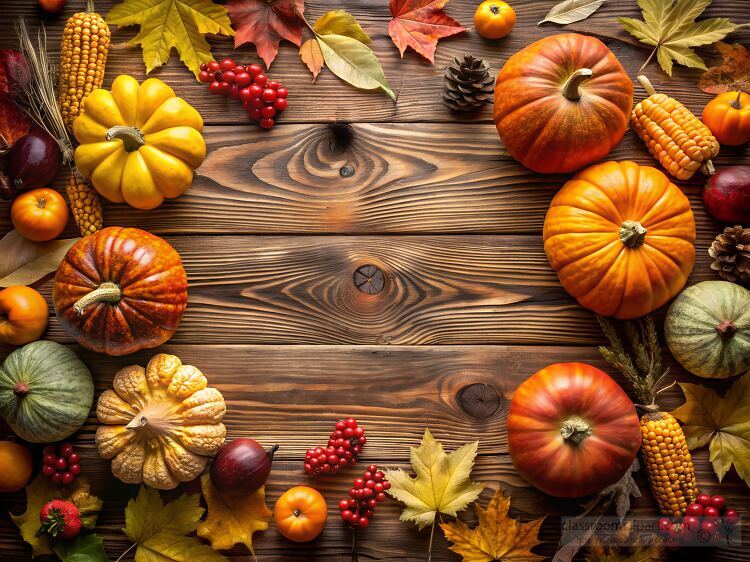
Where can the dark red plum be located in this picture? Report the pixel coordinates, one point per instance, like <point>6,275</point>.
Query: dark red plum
<point>242,464</point>
<point>727,195</point>
<point>34,159</point>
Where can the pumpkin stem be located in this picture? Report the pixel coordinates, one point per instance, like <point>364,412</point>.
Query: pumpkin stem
<point>21,389</point>
<point>575,429</point>
<point>138,422</point>
<point>735,103</point>
<point>106,292</point>
<point>632,234</point>
<point>131,137</point>
<point>707,168</point>
<point>646,83</point>
<point>571,89</point>
<point>726,329</point>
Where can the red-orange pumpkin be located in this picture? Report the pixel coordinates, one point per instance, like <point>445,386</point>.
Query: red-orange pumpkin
<point>562,102</point>
<point>120,290</point>
<point>572,431</point>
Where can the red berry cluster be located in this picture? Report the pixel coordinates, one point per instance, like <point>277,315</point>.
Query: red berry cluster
<point>61,464</point>
<point>262,98</point>
<point>366,493</point>
<point>705,521</point>
<point>344,445</point>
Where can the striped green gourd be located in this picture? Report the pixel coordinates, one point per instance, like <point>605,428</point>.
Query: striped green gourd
<point>46,392</point>
<point>708,329</point>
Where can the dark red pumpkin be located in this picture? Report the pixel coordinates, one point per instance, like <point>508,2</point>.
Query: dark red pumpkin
<point>572,431</point>
<point>120,290</point>
<point>562,102</point>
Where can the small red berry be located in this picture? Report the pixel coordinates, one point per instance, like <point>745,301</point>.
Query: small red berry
<point>708,526</point>
<point>718,502</point>
<point>245,97</point>
<point>367,475</point>
<point>704,499</point>
<point>48,470</point>
<point>215,88</point>
<point>67,478</point>
<point>260,80</point>
<point>358,483</point>
<point>269,96</point>
<point>363,522</point>
<point>257,103</point>
<point>362,440</point>
<point>273,84</point>
<point>225,89</point>
<point>243,79</point>
<point>354,518</point>
<point>378,487</point>
<point>358,432</point>
<point>282,92</point>
<point>49,459</point>
<point>379,476</point>
<point>229,76</point>
<point>239,69</point>
<point>694,509</point>
<point>380,497</point>
<point>227,64</point>
<point>710,513</point>
<point>386,485</point>
<point>280,104</point>
<point>326,468</point>
<point>56,477</point>
<point>664,524</point>
<point>690,523</point>
<point>267,123</point>
<point>66,449</point>
<point>344,504</point>
<point>267,112</point>
<point>351,422</point>
<point>731,517</point>
<point>74,469</point>
<point>346,515</point>
<point>61,464</point>
<point>234,93</point>
<point>204,66</point>
<point>348,432</point>
<point>255,69</point>
<point>254,113</point>
<point>204,76</point>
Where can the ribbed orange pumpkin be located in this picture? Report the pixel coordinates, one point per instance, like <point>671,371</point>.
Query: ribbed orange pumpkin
<point>621,238</point>
<point>562,102</point>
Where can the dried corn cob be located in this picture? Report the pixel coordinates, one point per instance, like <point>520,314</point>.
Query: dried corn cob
<point>674,136</point>
<point>83,55</point>
<point>669,465</point>
<point>664,450</point>
<point>85,204</point>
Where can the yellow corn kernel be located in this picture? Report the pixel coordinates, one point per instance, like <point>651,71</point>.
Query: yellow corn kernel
<point>669,466</point>
<point>84,204</point>
<point>674,136</point>
<point>83,55</point>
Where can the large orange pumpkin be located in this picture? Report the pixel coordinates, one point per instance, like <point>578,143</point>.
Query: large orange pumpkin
<point>562,102</point>
<point>572,431</point>
<point>621,238</point>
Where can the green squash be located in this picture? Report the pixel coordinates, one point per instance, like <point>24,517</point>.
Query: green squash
<point>46,392</point>
<point>708,329</point>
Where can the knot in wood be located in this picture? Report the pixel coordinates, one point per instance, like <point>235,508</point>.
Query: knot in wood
<point>369,279</point>
<point>479,400</point>
<point>346,171</point>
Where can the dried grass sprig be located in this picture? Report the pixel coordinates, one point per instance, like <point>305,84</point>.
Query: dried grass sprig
<point>38,95</point>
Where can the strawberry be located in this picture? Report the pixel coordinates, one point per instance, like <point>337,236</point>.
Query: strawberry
<point>60,518</point>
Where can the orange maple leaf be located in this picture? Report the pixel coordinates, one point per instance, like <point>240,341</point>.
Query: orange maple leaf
<point>266,23</point>
<point>419,24</point>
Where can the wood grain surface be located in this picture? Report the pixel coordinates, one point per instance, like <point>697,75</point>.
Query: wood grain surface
<point>373,259</point>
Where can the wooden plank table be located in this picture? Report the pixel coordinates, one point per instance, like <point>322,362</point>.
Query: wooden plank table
<point>276,224</point>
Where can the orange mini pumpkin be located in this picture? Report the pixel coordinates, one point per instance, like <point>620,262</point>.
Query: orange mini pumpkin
<point>728,118</point>
<point>621,238</point>
<point>562,102</point>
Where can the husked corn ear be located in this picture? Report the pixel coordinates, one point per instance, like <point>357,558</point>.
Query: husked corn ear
<point>83,55</point>
<point>674,136</point>
<point>669,465</point>
<point>85,205</point>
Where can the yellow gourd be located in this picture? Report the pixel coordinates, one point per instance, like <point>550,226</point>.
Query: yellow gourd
<point>139,143</point>
<point>161,424</point>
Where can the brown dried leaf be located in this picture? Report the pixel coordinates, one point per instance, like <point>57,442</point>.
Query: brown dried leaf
<point>732,74</point>
<point>22,262</point>
<point>311,55</point>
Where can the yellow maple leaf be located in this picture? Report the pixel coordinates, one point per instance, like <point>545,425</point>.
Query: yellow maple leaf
<point>232,517</point>
<point>159,530</point>
<point>173,24</point>
<point>442,484</point>
<point>39,492</point>
<point>496,537</point>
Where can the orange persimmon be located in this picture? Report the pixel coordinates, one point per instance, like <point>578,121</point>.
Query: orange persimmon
<point>300,513</point>
<point>17,466</point>
<point>23,315</point>
<point>494,19</point>
<point>40,214</point>
<point>728,118</point>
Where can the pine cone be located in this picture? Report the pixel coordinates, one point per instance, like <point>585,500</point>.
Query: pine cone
<point>467,84</point>
<point>731,254</point>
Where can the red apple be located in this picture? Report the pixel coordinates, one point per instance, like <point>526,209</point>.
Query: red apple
<point>727,194</point>
<point>242,464</point>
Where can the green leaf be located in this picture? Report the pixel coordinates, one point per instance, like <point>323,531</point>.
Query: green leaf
<point>340,22</point>
<point>83,548</point>
<point>669,25</point>
<point>353,62</point>
<point>173,24</point>
<point>570,11</point>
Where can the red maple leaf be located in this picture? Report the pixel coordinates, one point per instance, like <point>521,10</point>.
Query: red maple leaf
<point>14,123</point>
<point>266,23</point>
<point>419,24</point>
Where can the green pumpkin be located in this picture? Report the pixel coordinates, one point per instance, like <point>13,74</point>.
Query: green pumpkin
<point>708,329</point>
<point>45,392</point>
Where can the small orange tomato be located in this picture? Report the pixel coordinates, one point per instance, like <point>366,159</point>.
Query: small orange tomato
<point>15,461</point>
<point>494,19</point>
<point>52,6</point>
<point>23,315</point>
<point>300,513</point>
<point>728,118</point>
<point>40,214</point>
